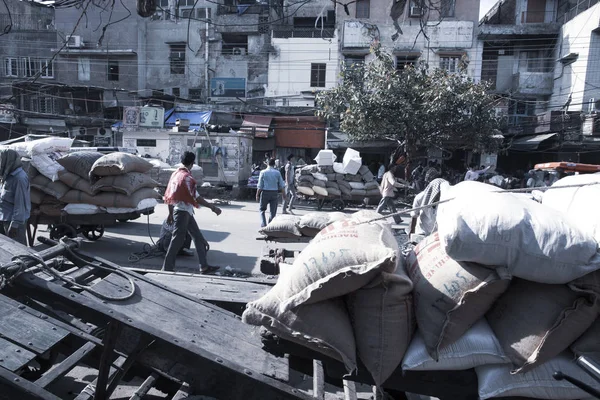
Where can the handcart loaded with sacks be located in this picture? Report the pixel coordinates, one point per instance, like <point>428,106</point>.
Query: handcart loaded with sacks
<point>501,301</point>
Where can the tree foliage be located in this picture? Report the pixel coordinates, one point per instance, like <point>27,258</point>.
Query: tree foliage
<point>416,106</point>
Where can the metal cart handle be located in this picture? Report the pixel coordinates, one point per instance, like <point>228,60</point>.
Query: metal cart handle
<point>559,376</point>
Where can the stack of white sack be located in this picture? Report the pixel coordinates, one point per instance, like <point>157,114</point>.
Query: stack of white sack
<point>325,181</point>
<point>506,286</point>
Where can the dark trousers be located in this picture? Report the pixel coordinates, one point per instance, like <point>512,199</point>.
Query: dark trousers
<point>268,198</point>
<point>184,223</point>
<point>21,235</point>
<point>388,202</point>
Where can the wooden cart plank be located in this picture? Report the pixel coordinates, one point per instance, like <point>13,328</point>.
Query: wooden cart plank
<point>194,323</point>
<point>213,289</point>
<point>30,332</point>
<point>12,386</point>
<point>66,365</point>
<point>13,357</point>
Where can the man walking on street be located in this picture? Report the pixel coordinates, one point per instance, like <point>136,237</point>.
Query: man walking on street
<point>290,189</point>
<point>270,183</point>
<point>15,202</point>
<point>387,189</point>
<point>182,197</point>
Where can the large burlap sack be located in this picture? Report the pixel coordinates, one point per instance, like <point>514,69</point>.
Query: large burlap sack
<point>368,177</point>
<point>533,241</point>
<point>332,184</point>
<point>319,183</point>
<point>282,226</point>
<point>578,203</point>
<point>534,322</point>
<point>305,178</point>
<point>382,317</point>
<point>373,193</point>
<point>589,342</point>
<point>333,192</point>
<point>478,346</point>
<point>450,296</point>
<point>305,324</point>
<point>49,145</point>
<point>357,185</point>
<point>308,191</point>
<point>54,189</point>
<point>80,162</point>
<point>111,199</point>
<point>81,209</point>
<point>36,196</point>
<point>319,176</point>
<point>371,186</point>
<point>118,164</point>
<point>51,207</point>
<point>46,165</point>
<point>312,223</point>
<point>358,192</point>
<point>305,184</point>
<point>309,169</point>
<point>321,191</point>
<point>344,184</point>
<point>342,258</point>
<point>126,184</point>
<point>497,381</point>
<point>76,182</point>
<point>338,168</point>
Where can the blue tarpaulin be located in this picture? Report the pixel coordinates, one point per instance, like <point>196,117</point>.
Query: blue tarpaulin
<point>196,118</point>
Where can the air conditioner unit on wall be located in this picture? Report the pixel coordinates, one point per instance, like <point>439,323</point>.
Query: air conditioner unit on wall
<point>416,11</point>
<point>238,51</point>
<point>74,41</point>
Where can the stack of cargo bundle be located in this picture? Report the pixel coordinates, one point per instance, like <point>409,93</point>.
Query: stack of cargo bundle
<point>329,181</point>
<point>506,286</point>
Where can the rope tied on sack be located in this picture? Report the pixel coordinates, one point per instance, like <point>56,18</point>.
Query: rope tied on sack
<point>522,190</point>
<point>20,261</point>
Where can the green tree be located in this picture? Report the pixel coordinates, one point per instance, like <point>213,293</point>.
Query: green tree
<point>417,107</point>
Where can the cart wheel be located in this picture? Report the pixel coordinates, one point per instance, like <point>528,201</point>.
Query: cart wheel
<point>62,230</point>
<point>338,205</point>
<point>93,232</point>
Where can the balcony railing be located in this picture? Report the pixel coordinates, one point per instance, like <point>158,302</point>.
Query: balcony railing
<point>326,33</point>
<point>25,22</point>
<point>565,16</point>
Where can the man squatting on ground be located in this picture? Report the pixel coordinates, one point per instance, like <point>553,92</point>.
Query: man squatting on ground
<point>182,197</point>
<point>15,202</point>
<point>270,183</point>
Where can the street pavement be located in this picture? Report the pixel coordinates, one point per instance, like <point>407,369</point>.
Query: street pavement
<point>232,238</point>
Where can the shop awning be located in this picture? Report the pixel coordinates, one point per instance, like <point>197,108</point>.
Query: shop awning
<point>340,140</point>
<point>530,143</point>
<point>258,125</point>
<point>299,132</point>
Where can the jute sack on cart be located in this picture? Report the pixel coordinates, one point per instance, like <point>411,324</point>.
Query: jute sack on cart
<point>55,189</point>
<point>321,191</point>
<point>76,182</point>
<point>312,223</point>
<point>497,381</point>
<point>305,190</point>
<point>478,346</point>
<point>450,296</point>
<point>36,196</point>
<point>80,162</point>
<point>126,183</point>
<point>382,317</point>
<point>111,199</point>
<point>534,322</point>
<point>342,258</point>
<point>282,226</point>
<point>589,343</point>
<point>533,241</point>
<point>118,164</point>
<point>323,327</point>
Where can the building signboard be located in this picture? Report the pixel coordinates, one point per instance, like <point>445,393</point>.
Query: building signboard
<point>227,88</point>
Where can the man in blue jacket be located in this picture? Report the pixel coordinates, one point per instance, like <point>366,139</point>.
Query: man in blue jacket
<point>270,183</point>
<point>15,201</point>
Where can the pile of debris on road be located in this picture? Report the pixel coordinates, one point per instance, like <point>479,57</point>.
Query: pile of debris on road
<point>348,180</point>
<point>506,285</point>
<point>85,182</point>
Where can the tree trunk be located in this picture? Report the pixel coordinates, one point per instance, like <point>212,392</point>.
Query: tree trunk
<point>410,150</point>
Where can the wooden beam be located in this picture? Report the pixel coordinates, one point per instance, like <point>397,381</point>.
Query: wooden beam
<point>318,380</point>
<point>183,393</point>
<point>88,392</point>
<point>68,363</point>
<point>145,387</point>
<point>26,389</point>
<point>349,390</point>
<point>109,342</point>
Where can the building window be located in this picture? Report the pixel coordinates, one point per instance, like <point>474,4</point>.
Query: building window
<point>201,13</point>
<point>28,66</point>
<point>177,58</point>
<point>317,75</point>
<point>235,44</point>
<point>176,92</point>
<point>113,71</point>
<point>42,104</point>
<point>404,61</point>
<point>350,61</point>
<point>195,94</point>
<point>535,61</point>
<point>145,142</point>
<point>363,9</point>
<point>46,68</point>
<point>447,8</point>
<point>450,63</point>
<point>11,66</point>
<point>83,69</point>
